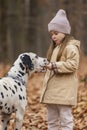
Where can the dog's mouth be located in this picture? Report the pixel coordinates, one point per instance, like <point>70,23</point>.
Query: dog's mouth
<point>41,69</point>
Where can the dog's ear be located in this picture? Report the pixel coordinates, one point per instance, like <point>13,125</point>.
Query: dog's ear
<point>27,61</point>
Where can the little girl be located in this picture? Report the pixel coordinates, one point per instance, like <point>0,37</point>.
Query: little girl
<point>61,81</point>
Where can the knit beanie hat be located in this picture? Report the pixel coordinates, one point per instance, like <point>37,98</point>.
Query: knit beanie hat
<point>60,23</point>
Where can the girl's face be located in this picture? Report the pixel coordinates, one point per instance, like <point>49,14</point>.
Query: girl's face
<point>57,37</point>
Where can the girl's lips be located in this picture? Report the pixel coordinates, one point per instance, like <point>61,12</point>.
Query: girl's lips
<point>55,40</point>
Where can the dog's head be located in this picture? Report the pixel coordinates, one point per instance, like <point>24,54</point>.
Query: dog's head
<point>33,62</point>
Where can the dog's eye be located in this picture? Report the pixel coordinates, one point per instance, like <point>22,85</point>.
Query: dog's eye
<point>36,56</point>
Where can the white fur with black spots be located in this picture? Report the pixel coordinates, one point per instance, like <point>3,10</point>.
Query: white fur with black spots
<point>13,88</point>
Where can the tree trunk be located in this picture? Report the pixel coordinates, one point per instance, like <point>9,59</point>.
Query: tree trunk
<point>3,30</point>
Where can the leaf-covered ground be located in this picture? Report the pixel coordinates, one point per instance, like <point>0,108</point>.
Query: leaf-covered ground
<point>35,114</point>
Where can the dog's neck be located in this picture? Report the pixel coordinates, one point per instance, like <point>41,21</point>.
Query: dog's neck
<point>22,79</point>
<point>17,78</point>
<point>18,74</point>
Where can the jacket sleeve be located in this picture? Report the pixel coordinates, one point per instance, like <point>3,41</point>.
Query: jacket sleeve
<point>72,60</point>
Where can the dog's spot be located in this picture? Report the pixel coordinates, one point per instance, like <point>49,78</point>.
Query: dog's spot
<point>2,95</point>
<point>15,87</point>
<point>1,107</point>
<point>23,97</point>
<point>13,108</point>
<point>21,89</point>
<point>13,91</point>
<point>21,66</point>
<point>1,103</point>
<point>36,57</point>
<point>10,88</point>
<point>5,87</point>
<point>2,120</point>
<point>18,75</point>
<point>20,97</point>
<point>5,104</point>
<point>21,73</point>
<point>8,109</point>
<point>15,81</point>
<point>18,83</point>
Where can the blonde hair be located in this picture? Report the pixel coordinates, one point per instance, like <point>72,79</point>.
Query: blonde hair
<point>63,45</point>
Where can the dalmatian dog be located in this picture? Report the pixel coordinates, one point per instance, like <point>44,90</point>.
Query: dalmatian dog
<point>13,88</point>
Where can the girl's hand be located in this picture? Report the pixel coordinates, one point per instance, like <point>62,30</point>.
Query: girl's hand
<point>49,66</point>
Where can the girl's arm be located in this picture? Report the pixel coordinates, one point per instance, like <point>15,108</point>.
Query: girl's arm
<point>70,65</point>
<point>72,60</point>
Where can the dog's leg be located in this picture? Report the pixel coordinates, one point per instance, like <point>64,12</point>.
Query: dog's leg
<point>5,119</point>
<point>19,120</point>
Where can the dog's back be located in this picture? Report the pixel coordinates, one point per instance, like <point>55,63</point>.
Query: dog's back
<point>12,93</point>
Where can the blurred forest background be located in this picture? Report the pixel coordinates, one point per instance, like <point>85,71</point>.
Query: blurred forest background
<point>23,25</point>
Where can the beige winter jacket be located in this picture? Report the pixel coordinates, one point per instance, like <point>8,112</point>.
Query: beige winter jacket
<point>61,88</point>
